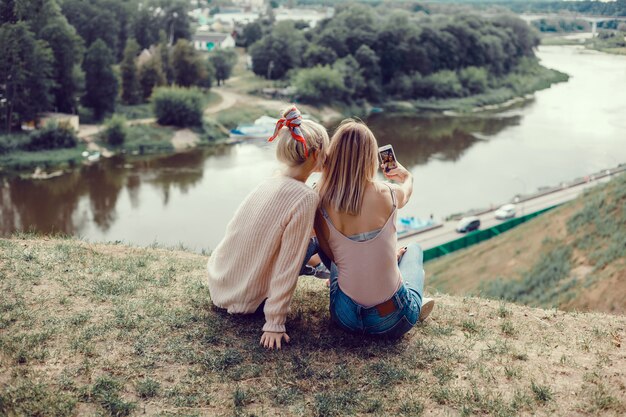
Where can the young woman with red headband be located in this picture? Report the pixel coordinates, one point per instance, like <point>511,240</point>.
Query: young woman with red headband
<point>374,289</point>
<point>256,266</point>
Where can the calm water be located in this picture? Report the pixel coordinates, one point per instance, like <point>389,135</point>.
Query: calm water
<point>567,131</point>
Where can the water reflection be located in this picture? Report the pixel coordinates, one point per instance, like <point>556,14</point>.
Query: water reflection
<point>66,204</point>
<point>417,139</point>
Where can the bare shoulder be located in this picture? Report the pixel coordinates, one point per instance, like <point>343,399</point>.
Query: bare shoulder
<point>380,193</point>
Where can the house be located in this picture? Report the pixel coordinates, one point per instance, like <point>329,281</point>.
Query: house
<point>208,41</point>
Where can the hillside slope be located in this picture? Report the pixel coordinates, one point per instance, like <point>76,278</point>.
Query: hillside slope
<point>90,329</point>
<point>573,258</point>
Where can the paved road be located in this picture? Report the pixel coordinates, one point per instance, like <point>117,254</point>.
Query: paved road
<point>447,232</point>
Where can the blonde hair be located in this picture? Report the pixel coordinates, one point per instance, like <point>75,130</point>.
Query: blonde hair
<point>351,163</point>
<point>291,152</point>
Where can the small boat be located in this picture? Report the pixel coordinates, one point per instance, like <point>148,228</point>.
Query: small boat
<point>93,157</point>
<point>263,127</point>
<point>408,226</point>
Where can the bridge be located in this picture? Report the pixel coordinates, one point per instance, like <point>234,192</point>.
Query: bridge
<point>594,20</point>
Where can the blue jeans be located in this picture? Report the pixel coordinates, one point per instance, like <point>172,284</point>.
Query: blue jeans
<point>353,317</point>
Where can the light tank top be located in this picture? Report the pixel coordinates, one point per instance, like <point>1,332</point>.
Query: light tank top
<point>368,270</point>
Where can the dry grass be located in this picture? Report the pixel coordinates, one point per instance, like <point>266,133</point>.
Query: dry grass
<point>592,229</point>
<point>112,330</point>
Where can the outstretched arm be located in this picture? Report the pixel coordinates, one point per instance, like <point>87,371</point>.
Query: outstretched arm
<point>403,184</point>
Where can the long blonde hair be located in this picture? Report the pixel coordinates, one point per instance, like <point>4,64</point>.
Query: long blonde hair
<point>351,163</point>
<point>291,152</point>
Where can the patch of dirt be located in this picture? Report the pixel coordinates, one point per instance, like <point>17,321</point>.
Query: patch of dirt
<point>184,139</point>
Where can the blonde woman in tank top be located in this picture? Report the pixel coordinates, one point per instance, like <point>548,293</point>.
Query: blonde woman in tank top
<point>374,289</point>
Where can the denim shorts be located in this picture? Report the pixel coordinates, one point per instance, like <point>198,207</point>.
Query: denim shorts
<point>353,317</point>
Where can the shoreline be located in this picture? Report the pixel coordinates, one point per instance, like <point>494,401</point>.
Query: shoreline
<point>27,164</point>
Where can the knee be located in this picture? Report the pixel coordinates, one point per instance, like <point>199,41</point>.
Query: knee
<point>414,251</point>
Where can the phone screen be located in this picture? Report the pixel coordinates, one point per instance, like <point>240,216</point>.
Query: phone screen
<point>388,158</point>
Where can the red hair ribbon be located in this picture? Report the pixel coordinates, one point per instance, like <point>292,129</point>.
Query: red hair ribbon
<point>292,121</point>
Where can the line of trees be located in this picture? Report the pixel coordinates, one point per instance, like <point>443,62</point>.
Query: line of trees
<point>59,54</point>
<point>361,55</point>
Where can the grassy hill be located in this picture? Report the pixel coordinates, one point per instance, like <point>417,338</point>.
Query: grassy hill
<point>96,329</point>
<point>573,258</point>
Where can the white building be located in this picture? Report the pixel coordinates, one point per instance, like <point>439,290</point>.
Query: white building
<point>208,41</point>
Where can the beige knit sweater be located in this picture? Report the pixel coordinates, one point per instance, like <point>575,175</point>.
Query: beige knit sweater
<point>262,253</point>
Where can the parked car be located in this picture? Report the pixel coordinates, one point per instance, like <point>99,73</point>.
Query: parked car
<point>507,211</point>
<point>467,224</point>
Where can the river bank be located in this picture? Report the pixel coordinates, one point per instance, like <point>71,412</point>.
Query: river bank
<point>237,105</point>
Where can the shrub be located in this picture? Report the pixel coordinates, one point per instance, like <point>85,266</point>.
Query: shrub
<point>473,79</point>
<point>12,142</point>
<point>52,136</point>
<point>178,106</point>
<point>115,132</point>
<point>442,84</point>
<point>319,85</point>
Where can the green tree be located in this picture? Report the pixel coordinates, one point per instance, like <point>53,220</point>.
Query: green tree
<point>223,61</point>
<point>26,71</point>
<point>131,89</point>
<point>277,53</point>
<point>318,55</point>
<point>178,106</point>
<point>101,84</point>
<point>252,32</point>
<point>187,66</point>
<point>370,69</point>
<point>94,20</point>
<point>353,81</point>
<point>319,85</point>
<point>115,131</point>
<point>208,75</point>
<point>151,75</point>
<point>67,49</point>
<point>474,79</point>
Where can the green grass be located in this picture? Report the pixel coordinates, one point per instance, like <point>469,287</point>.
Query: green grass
<point>148,139</point>
<point>105,329</point>
<point>231,117</point>
<point>58,158</point>
<point>137,111</point>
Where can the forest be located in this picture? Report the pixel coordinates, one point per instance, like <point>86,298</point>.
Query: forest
<point>361,54</point>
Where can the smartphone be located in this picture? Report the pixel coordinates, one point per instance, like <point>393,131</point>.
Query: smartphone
<point>387,157</point>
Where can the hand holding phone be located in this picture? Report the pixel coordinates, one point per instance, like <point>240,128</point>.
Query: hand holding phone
<point>387,157</point>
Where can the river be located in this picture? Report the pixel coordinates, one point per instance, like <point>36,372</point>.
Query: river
<point>567,131</point>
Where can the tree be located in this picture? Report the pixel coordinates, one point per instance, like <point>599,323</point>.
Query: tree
<point>151,75</point>
<point>101,85</point>
<point>94,20</point>
<point>474,79</point>
<point>318,55</point>
<point>277,53</point>
<point>353,81</point>
<point>319,85</point>
<point>252,32</point>
<point>115,131</point>
<point>370,69</point>
<point>187,67</point>
<point>26,71</point>
<point>223,61</point>
<point>178,106</point>
<point>131,93</point>
<point>67,49</point>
